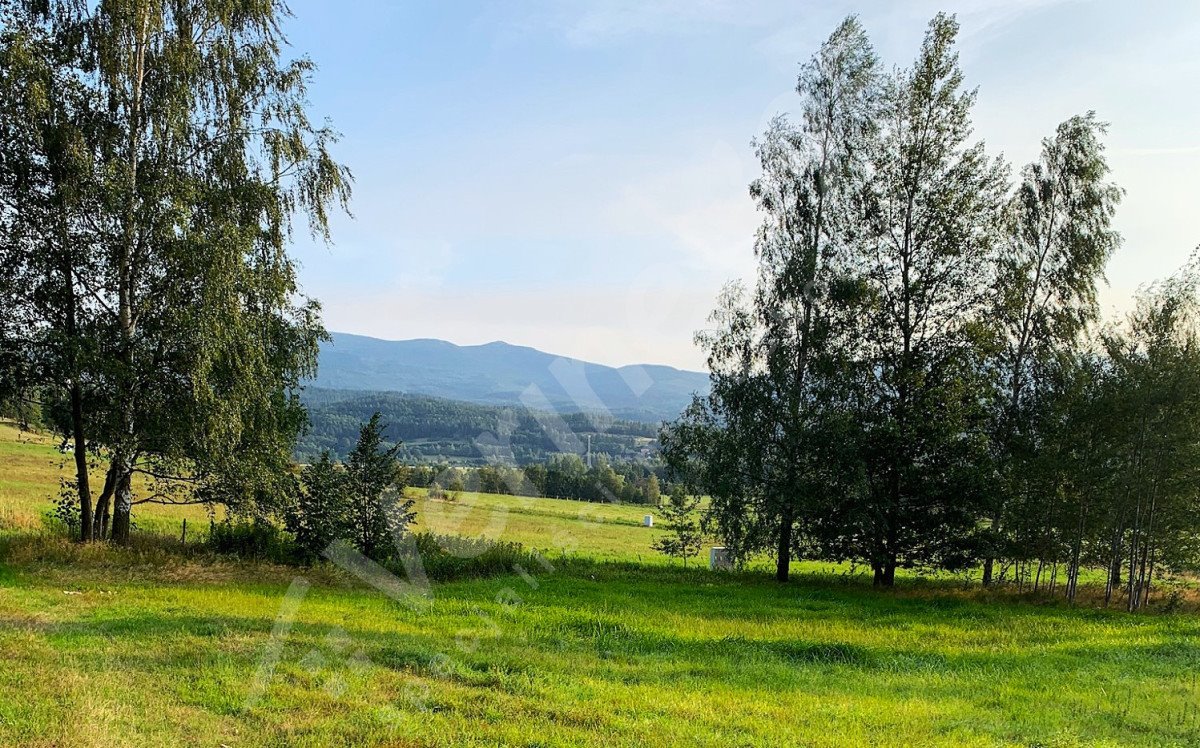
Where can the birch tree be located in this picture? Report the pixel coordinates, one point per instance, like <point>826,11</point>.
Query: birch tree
<point>930,213</point>
<point>755,434</point>
<point>203,157</point>
<point>1059,240</point>
<point>1154,507</point>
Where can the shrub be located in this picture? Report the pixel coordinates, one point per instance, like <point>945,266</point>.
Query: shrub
<point>64,516</point>
<point>447,557</point>
<point>256,538</point>
<point>321,511</point>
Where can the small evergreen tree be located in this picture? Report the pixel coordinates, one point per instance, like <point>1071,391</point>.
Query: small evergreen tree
<point>685,536</point>
<point>379,512</point>
<point>321,513</point>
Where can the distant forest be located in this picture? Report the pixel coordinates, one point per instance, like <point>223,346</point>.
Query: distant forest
<point>434,430</point>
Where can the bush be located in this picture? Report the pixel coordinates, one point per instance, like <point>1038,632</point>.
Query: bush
<point>257,538</point>
<point>447,557</point>
<point>64,517</point>
<point>321,511</point>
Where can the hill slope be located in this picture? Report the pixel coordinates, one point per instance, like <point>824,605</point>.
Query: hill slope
<point>504,374</point>
<point>439,430</point>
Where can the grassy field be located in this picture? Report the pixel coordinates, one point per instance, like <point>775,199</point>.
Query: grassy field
<point>606,644</point>
<point>31,469</point>
<point>104,648</point>
<point>611,532</point>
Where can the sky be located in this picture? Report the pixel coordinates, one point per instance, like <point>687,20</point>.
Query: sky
<point>572,174</point>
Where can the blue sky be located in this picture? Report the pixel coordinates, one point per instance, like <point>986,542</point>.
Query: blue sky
<point>572,175</point>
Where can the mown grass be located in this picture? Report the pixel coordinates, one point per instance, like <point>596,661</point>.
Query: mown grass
<point>163,644</point>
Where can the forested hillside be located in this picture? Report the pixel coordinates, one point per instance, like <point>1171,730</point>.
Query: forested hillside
<point>438,430</point>
<point>503,374</point>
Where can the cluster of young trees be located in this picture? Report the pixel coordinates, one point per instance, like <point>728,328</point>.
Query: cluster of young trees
<point>153,159</point>
<point>917,378</point>
<point>564,476</point>
<point>1108,469</point>
<point>361,501</point>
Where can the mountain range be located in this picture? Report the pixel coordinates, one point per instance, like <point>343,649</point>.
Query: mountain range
<point>503,374</point>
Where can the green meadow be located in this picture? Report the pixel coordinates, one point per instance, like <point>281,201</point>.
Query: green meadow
<point>605,643</point>
<point>31,469</point>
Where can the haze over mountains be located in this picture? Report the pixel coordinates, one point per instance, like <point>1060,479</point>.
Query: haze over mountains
<point>503,374</point>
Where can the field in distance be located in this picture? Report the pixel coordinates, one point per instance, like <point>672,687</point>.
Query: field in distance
<point>31,469</point>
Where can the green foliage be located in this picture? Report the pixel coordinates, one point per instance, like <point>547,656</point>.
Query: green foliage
<point>1058,240</point>
<point>320,515</point>
<point>251,539</point>
<point>683,526</point>
<point>379,514</point>
<point>909,383</point>
<point>750,443</point>
<point>1108,453</point>
<point>931,217</point>
<point>361,501</point>
<point>845,419</point>
<point>155,159</point>
<point>1151,392</point>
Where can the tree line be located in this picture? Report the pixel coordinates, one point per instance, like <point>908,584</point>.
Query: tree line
<point>562,476</point>
<point>919,377</point>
